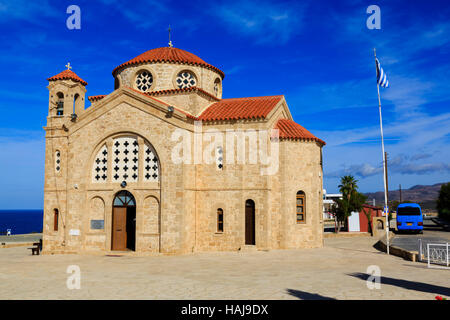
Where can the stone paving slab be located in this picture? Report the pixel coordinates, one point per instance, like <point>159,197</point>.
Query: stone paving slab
<point>337,271</point>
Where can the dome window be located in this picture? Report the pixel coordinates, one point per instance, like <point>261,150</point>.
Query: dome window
<point>144,81</point>
<point>217,87</point>
<point>186,79</point>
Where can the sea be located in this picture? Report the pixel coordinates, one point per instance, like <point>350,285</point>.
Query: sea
<point>21,221</point>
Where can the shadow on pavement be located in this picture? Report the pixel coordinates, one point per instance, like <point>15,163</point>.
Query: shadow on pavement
<point>306,295</point>
<point>406,284</point>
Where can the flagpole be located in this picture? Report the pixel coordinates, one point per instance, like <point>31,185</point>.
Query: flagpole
<point>384,159</point>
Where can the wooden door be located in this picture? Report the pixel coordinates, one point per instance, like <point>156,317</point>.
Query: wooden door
<point>250,223</point>
<point>119,229</point>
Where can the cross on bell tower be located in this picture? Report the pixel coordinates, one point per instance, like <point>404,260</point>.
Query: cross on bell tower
<point>68,66</point>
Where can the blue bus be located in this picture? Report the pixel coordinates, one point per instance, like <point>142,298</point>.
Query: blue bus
<point>409,217</point>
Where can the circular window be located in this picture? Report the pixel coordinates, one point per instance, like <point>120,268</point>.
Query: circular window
<point>144,81</point>
<point>185,79</point>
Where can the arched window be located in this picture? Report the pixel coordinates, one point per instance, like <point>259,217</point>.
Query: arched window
<point>76,101</point>
<point>124,154</point>
<point>60,104</point>
<point>124,199</point>
<point>55,219</point>
<point>219,220</point>
<point>300,206</point>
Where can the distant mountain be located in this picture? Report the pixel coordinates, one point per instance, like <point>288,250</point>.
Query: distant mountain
<point>422,194</point>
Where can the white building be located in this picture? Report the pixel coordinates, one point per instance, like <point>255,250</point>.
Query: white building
<point>328,200</point>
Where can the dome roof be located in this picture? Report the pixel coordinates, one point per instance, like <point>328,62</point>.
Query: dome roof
<point>168,54</point>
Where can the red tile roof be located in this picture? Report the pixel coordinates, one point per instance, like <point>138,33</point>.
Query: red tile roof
<point>240,108</point>
<point>168,54</point>
<point>292,130</point>
<point>66,75</point>
<point>96,98</point>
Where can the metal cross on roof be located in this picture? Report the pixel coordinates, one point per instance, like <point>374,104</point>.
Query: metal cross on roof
<point>68,66</point>
<point>170,41</point>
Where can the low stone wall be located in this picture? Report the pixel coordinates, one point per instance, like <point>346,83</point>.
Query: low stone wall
<point>16,244</point>
<point>346,234</point>
<point>396,251</point>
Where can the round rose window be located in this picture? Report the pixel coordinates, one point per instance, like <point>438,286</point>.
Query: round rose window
<point>186,79</point>
<point>144,81</point>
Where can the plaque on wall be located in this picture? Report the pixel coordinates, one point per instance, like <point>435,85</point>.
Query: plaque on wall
<point>74,232</point>
<point>97,224</point>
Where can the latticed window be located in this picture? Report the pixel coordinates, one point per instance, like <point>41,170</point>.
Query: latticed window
<point>300,205</point>
<point>219,220</point>
<point>144,81</point>
<point>125,159</point>
<point>100,169</point>
<point>125,162</point>
<point>57,161</point>
<point>186,79</point>
<point>151,169</point>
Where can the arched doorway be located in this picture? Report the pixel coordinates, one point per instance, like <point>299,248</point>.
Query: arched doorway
<point>250,222</point>
<point>123,235</point>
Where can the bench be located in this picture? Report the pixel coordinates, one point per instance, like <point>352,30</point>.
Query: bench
<point>37,247</point>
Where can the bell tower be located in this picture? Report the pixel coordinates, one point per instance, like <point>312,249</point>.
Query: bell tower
<point>66,96</point>
<point>66,103</point>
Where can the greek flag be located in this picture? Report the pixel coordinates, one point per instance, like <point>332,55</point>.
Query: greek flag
<point>381,76</point>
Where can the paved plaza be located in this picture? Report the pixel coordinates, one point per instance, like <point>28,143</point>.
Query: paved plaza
<point>337,271</point>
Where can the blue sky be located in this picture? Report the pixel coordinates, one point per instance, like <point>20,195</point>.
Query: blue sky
<point>319,54</point>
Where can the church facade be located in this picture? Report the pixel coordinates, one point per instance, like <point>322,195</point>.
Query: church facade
<point>164,164</point>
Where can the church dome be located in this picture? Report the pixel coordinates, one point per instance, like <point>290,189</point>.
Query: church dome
<point>169,55</point>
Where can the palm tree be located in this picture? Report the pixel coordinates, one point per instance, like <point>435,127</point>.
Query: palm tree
<point>348,186</point>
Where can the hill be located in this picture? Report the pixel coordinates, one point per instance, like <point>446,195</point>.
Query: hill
<point>425,195</point>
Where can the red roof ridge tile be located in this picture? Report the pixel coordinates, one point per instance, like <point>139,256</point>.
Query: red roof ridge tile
<point>67,75</point>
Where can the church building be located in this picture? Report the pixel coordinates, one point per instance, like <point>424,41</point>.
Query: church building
<point>133,173</point>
